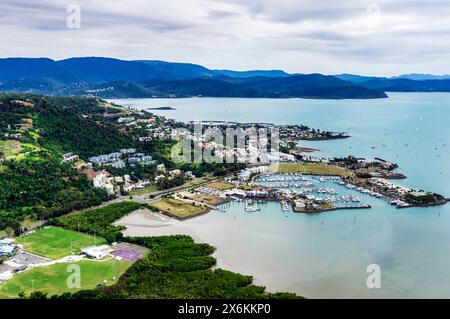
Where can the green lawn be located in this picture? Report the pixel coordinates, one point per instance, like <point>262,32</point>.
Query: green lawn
<point>8,149</point>
<point>178,208</point>
<point>55,242</point>
<point>53,279</point>
<point>222,186</point>
<point>309,168</point>
<point>143,191</point>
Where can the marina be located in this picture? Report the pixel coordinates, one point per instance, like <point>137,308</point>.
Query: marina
<point>326,255</point>
<point>318,189</point>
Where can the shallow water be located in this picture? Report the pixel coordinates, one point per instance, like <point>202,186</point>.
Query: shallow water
<point>326,255</point>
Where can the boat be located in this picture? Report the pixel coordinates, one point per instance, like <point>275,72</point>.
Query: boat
<point>249,206</point>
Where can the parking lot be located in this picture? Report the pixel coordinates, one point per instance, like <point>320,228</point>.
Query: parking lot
<point>26,259</point>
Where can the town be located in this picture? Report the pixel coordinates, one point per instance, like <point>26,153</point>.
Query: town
<point>143,172</point>
<point>286,132</point>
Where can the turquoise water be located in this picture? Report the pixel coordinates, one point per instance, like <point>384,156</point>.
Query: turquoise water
<point>326,255</point>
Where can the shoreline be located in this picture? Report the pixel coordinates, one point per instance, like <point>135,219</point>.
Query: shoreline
<point>145,222</point>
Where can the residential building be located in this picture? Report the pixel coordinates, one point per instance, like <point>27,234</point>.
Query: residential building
<point>126,119</point>
<point>128,151</point>
<point>101,181</point>
<point>175,173</point>
<point>70,158</point>
<point>134,160</point>
<point>118,164</point>
<point>161,168</point>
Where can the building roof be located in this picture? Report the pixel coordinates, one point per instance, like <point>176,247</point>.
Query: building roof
<point>6,250</point>
<point>96,251</point>
<point>6,241</point>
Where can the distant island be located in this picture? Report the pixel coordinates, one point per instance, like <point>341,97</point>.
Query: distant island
<point>113,78</point>
<point>162,108</point>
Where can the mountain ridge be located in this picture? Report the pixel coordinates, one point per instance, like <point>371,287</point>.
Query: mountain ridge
<point>110,77</point>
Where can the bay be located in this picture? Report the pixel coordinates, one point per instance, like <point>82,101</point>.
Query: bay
<point>326,255</point>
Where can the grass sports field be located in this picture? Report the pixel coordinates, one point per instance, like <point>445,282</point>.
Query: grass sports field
<point>55,242</point>
<point>53,279</point>
<point>143,191</point>
<point>309,168</point>
<point>222,186</point>
<point>178,208</point>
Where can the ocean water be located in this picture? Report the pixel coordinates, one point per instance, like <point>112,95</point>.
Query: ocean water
<point>326,255</point>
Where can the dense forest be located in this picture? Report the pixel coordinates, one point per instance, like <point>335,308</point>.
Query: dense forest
<point>82,136</point>
<point>62,123</point>
<point>48,105</point>
<point>42,189</point>
<point>11,113</point>
<point>36,184</point>
<point>98,221</point>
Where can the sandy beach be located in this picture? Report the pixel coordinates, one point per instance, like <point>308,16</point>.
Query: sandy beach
<point>144,222</point>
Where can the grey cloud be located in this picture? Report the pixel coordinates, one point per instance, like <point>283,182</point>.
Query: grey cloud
<point>295,11</point>
<point>219,14</point>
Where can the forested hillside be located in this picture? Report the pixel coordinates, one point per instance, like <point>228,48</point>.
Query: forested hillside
<point>34,133</point>
<point>41,189</point>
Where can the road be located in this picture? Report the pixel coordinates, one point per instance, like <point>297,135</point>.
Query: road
<point>144,198</point>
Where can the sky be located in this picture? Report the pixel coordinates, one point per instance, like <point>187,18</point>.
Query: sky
<point>383,38</point>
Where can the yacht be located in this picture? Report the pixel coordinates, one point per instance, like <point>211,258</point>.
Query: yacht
<point>249,206</point>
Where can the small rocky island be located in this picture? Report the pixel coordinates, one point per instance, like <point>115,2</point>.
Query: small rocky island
<point>162,108</point>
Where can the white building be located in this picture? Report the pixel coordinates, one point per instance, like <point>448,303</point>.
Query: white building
<point>7,250</point>
<point>259,169</point>
<point>125,119</point>
<point>299,203</point>
<point>96,252</point>
<point>118,179</point>
<point>118,164</point>
<point>128,151</point>
<point>161,168</point>
<point>70,157</point>
<point>101,181</point>
<point>175,173</point>
<point>6,241</point>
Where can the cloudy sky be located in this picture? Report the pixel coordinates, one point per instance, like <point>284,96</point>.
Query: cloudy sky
<point>385,37</point>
